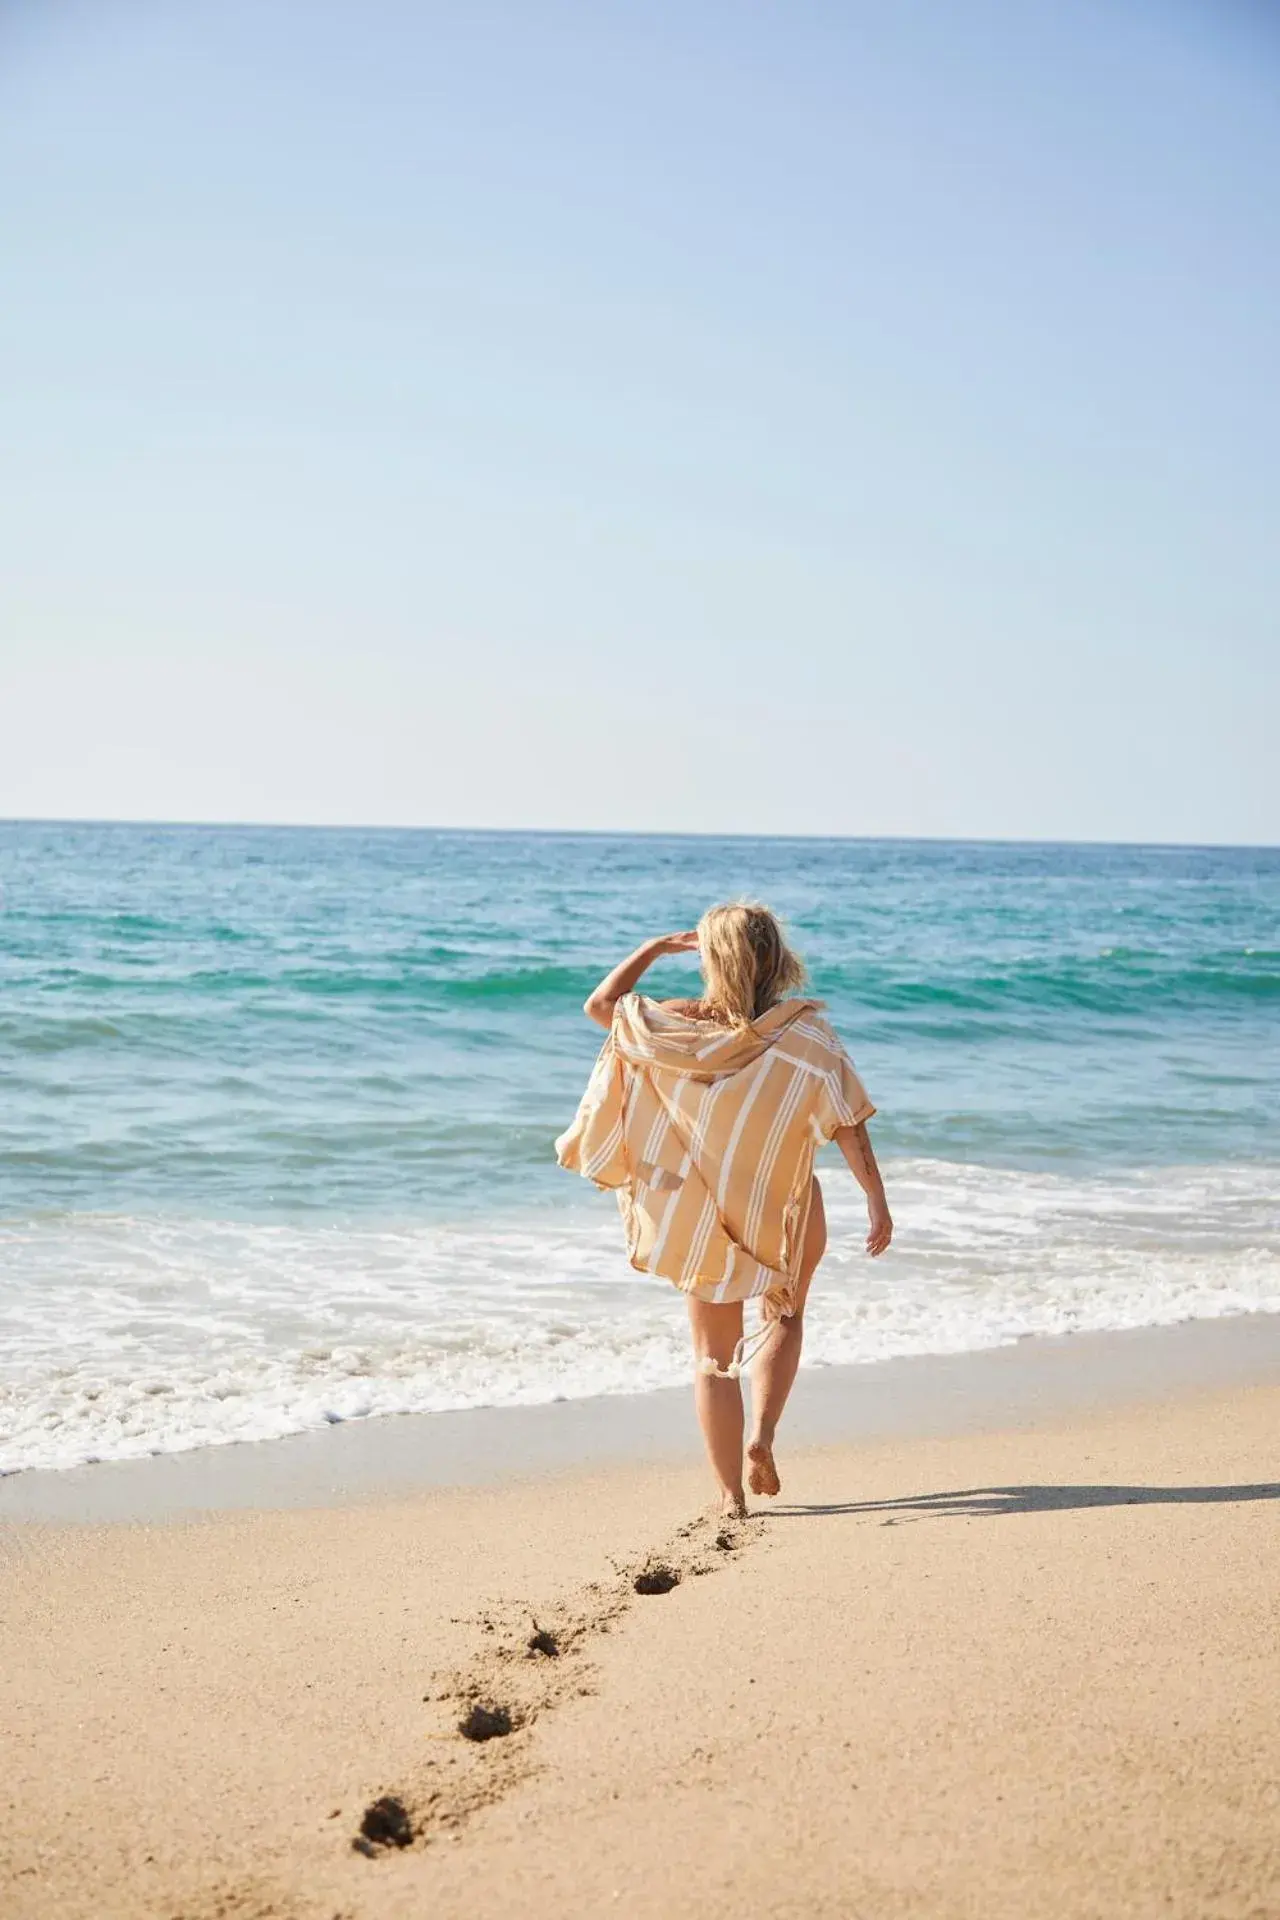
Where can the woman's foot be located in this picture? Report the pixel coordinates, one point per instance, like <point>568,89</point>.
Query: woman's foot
<point>762,1474</point>
<point>733,1506</point>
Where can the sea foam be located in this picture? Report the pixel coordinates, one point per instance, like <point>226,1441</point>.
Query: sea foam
<point>127,1335</point>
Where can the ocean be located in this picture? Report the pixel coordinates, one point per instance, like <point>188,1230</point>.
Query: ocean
<point>277,1110</point>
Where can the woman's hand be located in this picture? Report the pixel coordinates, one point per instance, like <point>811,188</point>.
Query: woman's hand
<point>881,1227</point>
<point>680,942</point>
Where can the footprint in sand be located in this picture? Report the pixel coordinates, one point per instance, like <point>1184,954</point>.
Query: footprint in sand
<point>521,1674</point>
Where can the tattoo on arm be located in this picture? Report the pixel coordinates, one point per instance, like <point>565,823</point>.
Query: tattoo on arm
<point>855,1145</point>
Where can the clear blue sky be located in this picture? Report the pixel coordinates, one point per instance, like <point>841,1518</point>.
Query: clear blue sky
<point>823,417</point>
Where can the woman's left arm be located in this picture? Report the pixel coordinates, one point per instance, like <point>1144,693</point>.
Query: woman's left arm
<point>599,1005</point>
<point>855,1144</point>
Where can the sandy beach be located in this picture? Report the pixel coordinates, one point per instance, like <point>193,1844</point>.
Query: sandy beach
<point>1026,1665</point>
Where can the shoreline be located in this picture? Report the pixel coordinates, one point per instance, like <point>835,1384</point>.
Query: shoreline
<point>1012,1388</point>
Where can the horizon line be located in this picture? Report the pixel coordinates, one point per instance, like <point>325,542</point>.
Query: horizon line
<point>631,833</point>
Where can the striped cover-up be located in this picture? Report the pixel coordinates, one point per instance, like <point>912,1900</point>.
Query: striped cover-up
<point>708,1135</point>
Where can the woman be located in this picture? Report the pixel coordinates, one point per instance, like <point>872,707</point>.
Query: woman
<point>704,1115</point>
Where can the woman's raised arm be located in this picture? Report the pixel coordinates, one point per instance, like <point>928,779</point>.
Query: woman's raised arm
<point>599,1005</point>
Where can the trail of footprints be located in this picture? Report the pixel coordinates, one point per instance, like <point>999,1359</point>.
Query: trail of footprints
<point>524,1669</point>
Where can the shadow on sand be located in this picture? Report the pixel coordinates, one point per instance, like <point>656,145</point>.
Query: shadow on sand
<point>972,1502</point>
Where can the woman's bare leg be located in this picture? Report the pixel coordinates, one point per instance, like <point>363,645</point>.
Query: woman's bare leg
<point>716,1331</point>
<point>774,1373</point>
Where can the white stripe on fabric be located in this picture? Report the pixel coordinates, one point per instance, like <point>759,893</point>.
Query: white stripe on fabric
<point>656,1135</point>
<point>697,1245</point>
<point>730,1266</point>
<point>812,1031</point>
<point>726,1164</point>
<point>769,1153</point>
<point>698,1131</point>
<point>694,1123</point>
<point>668,1214</point>
<point>839,1104</point>
<point>791,1107</point>
<point>721,1041</point>
<point>709,1223</point>
<point>797,1060</point>
<point>781,1121</point>
<point>602,1154</point>
<point>708,1216</point>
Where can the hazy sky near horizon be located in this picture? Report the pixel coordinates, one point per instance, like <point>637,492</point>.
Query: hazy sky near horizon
<point>832,417</point>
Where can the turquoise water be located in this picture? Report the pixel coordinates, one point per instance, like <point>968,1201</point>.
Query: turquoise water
<point>276,1096</point>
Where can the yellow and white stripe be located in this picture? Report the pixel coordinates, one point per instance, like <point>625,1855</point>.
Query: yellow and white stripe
<point>708,1136</point>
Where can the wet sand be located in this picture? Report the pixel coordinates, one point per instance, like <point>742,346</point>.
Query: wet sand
<point>1015,1655</point>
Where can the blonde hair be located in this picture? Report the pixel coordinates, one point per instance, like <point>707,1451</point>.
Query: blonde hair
<point>746,963</point>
